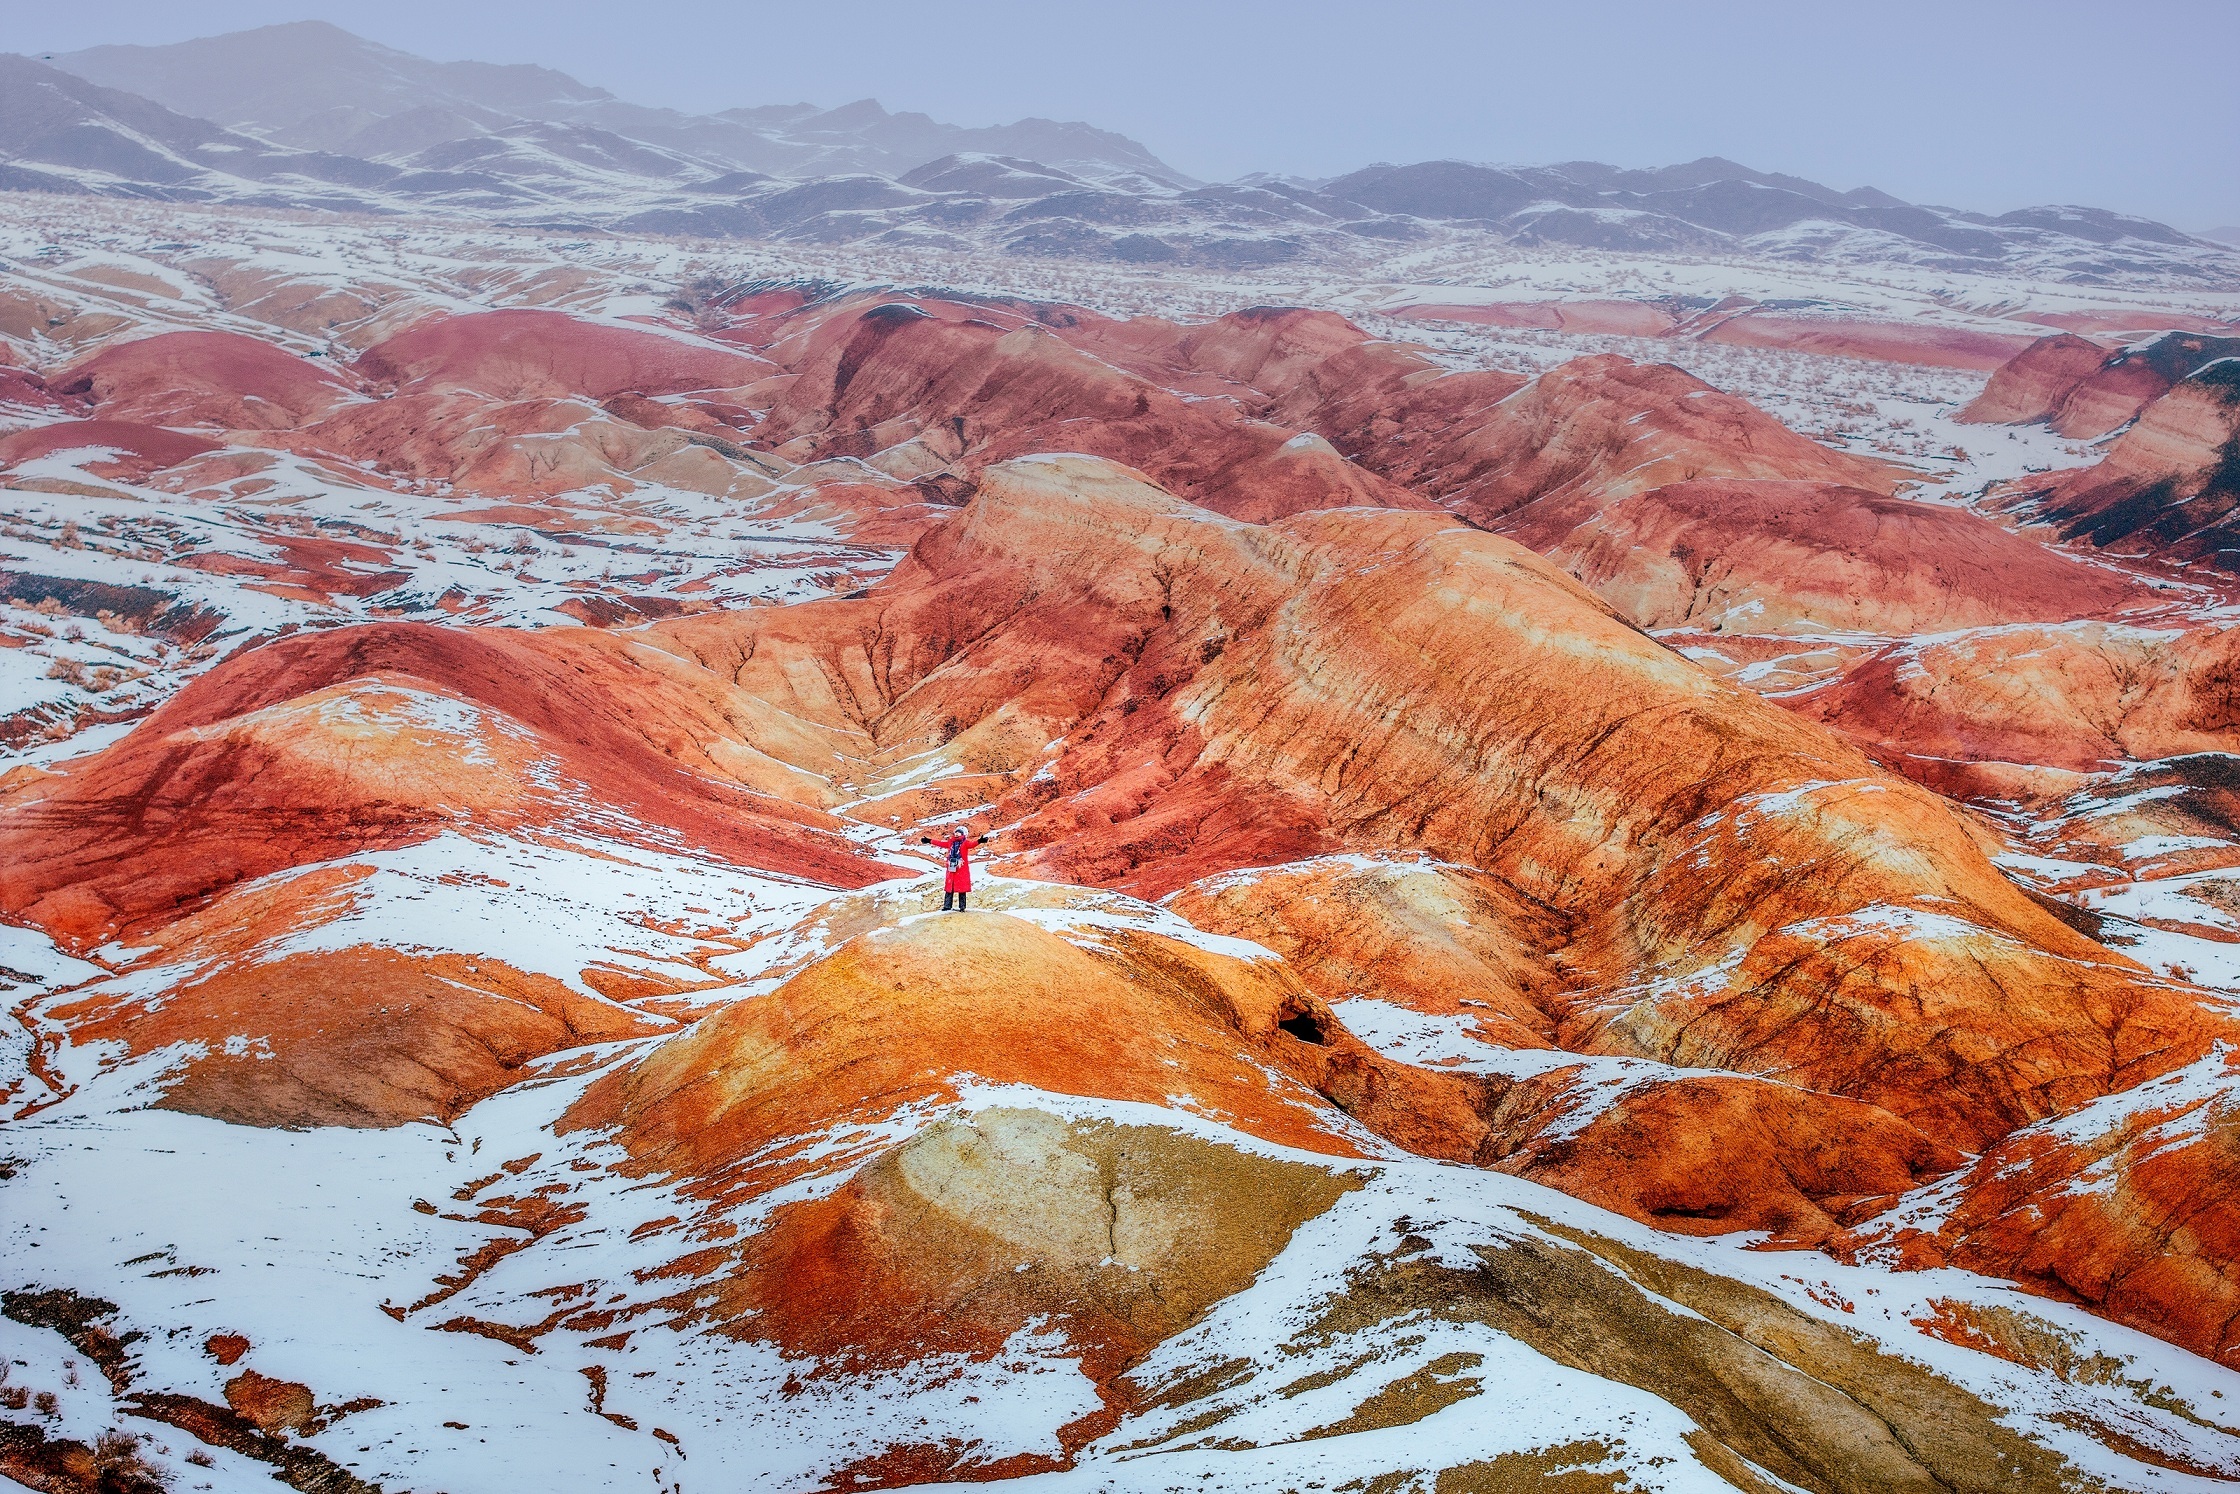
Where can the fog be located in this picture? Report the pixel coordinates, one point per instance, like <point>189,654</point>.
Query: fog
<point>1982,104</point>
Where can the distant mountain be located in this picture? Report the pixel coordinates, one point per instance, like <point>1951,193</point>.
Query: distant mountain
<point>316,86</point>
<point>59,132</point>
<point>1708,201</point>
<point>307,114</point>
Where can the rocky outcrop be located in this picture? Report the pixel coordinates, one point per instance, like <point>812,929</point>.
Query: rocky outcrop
<point>976,1229</point>
<point>1748,1368</point>
<point>2167,488</point>
<point>2082,389</point>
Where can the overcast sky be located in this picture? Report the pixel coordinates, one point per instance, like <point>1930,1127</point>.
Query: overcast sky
<point>1989,104</point>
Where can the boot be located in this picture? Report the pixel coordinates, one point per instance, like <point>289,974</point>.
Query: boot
<point>946,899</point>
<point>960,900</point>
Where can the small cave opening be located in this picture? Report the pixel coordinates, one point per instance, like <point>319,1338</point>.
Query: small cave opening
<point>1304,1026</point>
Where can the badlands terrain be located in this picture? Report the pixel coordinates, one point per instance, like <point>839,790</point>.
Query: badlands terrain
<point>1619,862</point>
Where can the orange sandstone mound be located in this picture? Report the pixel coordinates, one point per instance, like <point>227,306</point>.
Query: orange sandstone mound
<point>1432,936</point>
<point>1695,1152</point>
<point>730,1111</point>
<point>1598,429</point>
<point>1762,1155</point>
<point>992,998</point>
<point>2077,696</point>
<point>356,1037</point>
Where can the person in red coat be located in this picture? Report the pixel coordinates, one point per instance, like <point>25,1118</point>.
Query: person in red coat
<point>957,848</point>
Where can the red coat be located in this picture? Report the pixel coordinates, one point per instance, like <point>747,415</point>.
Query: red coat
<point>958,849</point>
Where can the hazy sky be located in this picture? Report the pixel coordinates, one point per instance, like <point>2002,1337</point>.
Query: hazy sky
<point>1990,104</point>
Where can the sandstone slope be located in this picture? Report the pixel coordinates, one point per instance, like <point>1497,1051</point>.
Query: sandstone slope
<point>1157,695</point>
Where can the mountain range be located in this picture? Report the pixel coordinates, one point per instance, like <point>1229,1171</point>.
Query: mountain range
<point>312,86</point>
<point>307,115</point>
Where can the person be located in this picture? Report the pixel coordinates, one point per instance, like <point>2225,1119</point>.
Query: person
<point>958,848</point>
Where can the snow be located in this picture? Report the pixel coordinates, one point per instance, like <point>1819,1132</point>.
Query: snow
<point>30,965</point>
<point>2045,868</point>
<point>1890,918</point>
<point>1379,863</point>
<point>31,958</point>
<point>296,1240</point>
<point>1269,1399</point>
<point>2171,1111</point>
<point>1433,1041</point>
<point>555,907</point>
<point>558,906</point>
<point>2151,847</point>
<point>1449,1041</point>
<point>2206,1081</point>
<point>1126,915</point>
